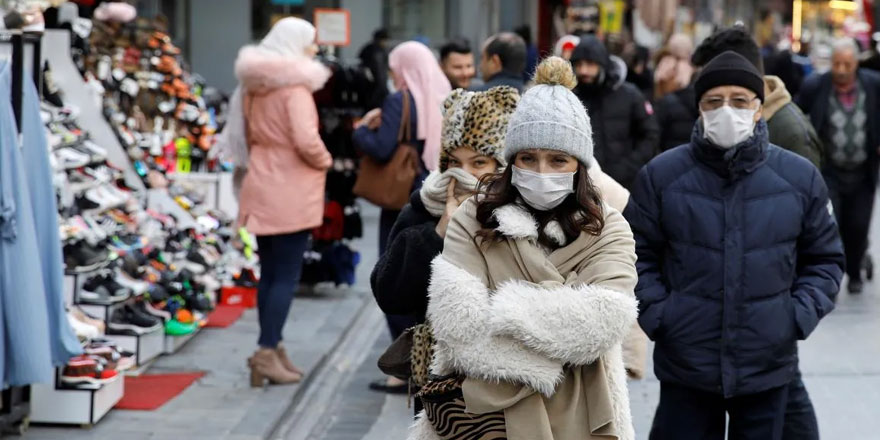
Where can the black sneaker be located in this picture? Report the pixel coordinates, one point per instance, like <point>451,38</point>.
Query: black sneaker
<point>103,289</point>
<point>81,257</point>
<point>196,257</point>
<point>127,321</point>
<point>157,293</point>
<point>198,302</point>
<point>132,264</point>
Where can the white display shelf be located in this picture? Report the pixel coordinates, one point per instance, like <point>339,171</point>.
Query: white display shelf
<point>84,406</point>
<point>173,343</point>
<point>145,347</point>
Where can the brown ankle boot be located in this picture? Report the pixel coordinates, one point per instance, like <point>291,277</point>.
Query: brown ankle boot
<point>286,362</point>
<point>265,365</point>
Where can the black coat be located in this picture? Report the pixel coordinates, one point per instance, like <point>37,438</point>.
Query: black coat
<point>813,100</point>
<point>400,278</point>
<point>738,257</point>
<point>676,113</point>
<point>625,132</point>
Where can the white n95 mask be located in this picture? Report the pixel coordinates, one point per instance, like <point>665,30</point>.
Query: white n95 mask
<point>727,126</point>
<point>543,191</point>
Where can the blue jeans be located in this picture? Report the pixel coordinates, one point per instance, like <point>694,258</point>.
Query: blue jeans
<point>281,258</point>
<point>800,418</point>
<point>687,413</point>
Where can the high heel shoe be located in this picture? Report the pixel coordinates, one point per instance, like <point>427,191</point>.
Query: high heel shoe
<point>265,365</point>
<point>286,362</point>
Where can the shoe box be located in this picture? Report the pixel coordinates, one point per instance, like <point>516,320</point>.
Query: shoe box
<point>81,405</point>
<point>239,296</point>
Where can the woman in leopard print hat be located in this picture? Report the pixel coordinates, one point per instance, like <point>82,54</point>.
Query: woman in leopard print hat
<point>474,126</point>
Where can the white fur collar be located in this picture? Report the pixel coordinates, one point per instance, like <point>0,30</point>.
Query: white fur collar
<point>259,71</point>
<point>515,221</point>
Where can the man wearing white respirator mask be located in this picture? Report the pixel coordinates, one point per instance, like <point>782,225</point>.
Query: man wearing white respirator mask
<point>738,258</point>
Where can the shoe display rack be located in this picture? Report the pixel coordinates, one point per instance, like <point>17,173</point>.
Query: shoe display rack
<point>146,346</point>
<point>173,343</point>
<point>82,405</point>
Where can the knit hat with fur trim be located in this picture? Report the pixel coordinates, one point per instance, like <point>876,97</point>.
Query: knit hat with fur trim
<point>477,120</point>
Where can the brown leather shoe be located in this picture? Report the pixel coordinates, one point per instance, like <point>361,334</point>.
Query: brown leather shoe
<point>265,365</point>
<point>286,362</point>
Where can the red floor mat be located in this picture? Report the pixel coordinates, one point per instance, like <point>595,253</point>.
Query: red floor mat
<point>151,391</point>
<point>224,316</point>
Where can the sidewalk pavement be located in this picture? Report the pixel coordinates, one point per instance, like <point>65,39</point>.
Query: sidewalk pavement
<point>221,405</point>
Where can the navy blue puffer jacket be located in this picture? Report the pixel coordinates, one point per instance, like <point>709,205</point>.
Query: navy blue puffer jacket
<point>738,257</point>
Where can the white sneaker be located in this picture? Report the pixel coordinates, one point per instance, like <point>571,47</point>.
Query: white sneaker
<point>136,286</point>
<point>81,329</point>
<point>69,158</point>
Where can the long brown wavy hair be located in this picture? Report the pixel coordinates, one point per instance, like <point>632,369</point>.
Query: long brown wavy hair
<point>579,212</point>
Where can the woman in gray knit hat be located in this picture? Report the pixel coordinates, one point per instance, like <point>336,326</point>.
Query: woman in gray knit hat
<point>533,294</point>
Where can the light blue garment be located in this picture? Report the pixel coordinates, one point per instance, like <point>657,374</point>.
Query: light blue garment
<point>26,343</point>
<point>35,156</point>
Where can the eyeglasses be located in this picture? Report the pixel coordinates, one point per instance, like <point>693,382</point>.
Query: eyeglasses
<point>716,102</point>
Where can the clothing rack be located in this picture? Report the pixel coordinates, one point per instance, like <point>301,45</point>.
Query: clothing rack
<point>15,400</point>
<point>17,39</point>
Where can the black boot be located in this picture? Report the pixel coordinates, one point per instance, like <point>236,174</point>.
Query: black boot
<point>855,286</point>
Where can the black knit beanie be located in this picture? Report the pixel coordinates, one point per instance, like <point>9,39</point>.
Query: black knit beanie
<point>729,69</point>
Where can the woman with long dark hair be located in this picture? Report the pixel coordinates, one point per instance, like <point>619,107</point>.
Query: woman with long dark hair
<point>533,294</point>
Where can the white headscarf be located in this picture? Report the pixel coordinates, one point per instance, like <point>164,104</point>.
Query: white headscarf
<point>289,38</point>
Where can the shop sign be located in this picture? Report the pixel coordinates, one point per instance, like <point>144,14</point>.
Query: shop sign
<point>333,27</point>
<point>611,16</point>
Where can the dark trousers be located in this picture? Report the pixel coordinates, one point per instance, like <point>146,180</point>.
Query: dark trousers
<point>688,413</point>
<point>281,258</point>
<point>853,200</point>
<point>396,323</point>
<point>800,418</point>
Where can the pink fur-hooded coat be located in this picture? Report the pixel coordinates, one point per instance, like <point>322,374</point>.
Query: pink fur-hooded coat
<point>283,191</point>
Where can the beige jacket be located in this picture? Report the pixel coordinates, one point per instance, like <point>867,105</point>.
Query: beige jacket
<point>635,347</point>
<point>537,334</point>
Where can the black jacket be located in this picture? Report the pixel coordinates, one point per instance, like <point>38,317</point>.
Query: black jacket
<point>501,79</point>
<point>375,58</point>
<point>400,278</point>
<point>813,100</point>
<point>625,133</point>
<point>676,113</point>
<point>738,258</point>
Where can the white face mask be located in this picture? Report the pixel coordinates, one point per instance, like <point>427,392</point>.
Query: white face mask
<point>728,126</point>
<point>543,191</point>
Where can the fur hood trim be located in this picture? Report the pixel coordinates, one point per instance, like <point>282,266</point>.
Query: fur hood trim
<point>515,221</point>
<point>777,96</point>
<point>261,72</point>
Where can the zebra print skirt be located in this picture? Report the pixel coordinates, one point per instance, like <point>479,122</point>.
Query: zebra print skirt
<point>445,409</point>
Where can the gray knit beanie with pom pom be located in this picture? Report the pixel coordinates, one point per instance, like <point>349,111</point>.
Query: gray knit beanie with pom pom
<point>550,117</point>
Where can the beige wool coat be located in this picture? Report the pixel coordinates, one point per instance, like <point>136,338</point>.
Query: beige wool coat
<point>536,332</point>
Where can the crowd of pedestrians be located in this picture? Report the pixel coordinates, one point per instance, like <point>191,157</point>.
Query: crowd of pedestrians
<point>567,209</point>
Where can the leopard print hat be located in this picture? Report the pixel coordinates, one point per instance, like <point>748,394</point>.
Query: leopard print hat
<point>477,120</point>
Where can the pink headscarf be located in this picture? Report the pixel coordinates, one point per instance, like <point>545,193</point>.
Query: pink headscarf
<point>416,70</point>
